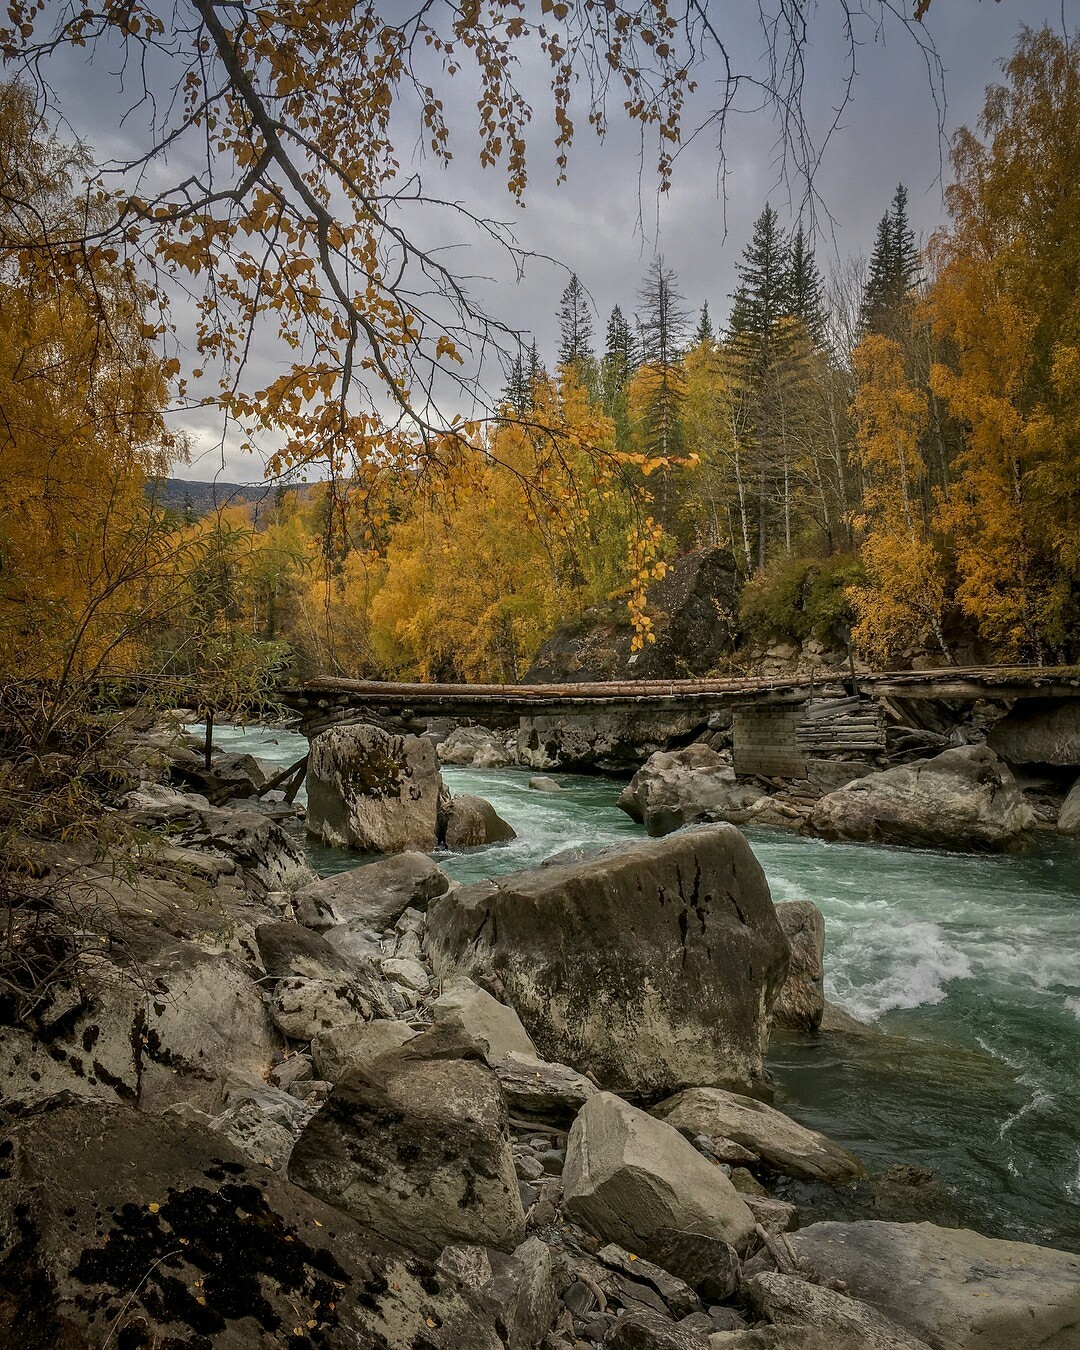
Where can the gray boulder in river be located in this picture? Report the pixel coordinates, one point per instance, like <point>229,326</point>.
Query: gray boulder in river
<point>954,1289</point>
<point>1038,733</point>
<point>652,967</point>
<point>961,799</point>
<point>678,787</point>
<point>373,791</point>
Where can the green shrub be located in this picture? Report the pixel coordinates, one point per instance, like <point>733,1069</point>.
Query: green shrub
<point>799,597</point>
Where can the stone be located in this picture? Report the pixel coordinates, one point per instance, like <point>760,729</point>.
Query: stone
<point>293,1069</point>
<point>264,853</point>
<point>775,1216</point>
<point>628,1175</point>
<point>541,783</point>
<point>261,1121</point>
<point>800,1004</point>
<point>1038,731</point>
<point>374,895</point>
<point>472,822</point>
<point>787,1301</point>
<point>652,1331</point>
<point>648,967</point>
<point>836,1020</point>
<point>165,1234</point>
<point>780,1142</point>
<point>612,742</point>
<point>315,988</point>
<point>708,1264</point>
<point>414,1146</point>
<point>498,1028</point>
<point>516,1291</point>
<point>355,942</point>
<point>474,747</point>
<point>373,791</point>
<point>954,1289</point>
<point>541,1091</point>
<point>961,799</point>
<point>677,1295</point>
<point>1068,821</point>
<point>788,1338</point>
<point>336,1052</point>
<point>678,787</point>
<point>405,971</point>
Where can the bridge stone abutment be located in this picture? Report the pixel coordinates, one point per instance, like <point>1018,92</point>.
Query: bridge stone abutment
<point>765,741</point>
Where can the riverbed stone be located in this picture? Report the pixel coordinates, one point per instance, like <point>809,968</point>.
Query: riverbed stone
<point>953,1288</point>
<point>541,1091</point>
<point>415,1146</point>
<point>678,787</point>
<point>496,1027</point>
<point>779,1141</point>
<point>373,791</point>
<point>517,1291</point>
<point>541,783</point>
<point>336,1052</point>
<point>314,988</point>
<point>475,747</point>
<point>1068,821</point>
<point>472,822</point>
<point>800,1004</point>
<point>628,1175</point>
<point>787,1301</point>
<point>648,967</point>
<point>1037,731</point>
<point>610,742</point>
<point>965,798</point>
<point>374,895</point>
<point>166,1234</point>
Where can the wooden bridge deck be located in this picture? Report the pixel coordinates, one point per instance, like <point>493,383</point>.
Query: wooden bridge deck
<point>963,684</point>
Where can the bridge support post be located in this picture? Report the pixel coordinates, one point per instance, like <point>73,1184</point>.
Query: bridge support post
<point>764,740</point>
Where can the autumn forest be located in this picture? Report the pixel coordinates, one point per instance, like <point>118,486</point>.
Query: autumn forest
<point>888,446</point>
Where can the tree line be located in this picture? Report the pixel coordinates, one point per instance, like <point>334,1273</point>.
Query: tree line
<point>890,450</point>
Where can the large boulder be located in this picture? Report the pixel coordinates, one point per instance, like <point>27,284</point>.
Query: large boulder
<point>476,748</point>
<point>1038,732</point>
<point>264,853</point>
<point>313,987</point>
<point>650,967</point>
<point>678,787</point>
<point>336,1052</point>
<point>790,1302</point>
<point>629,1177</point>
<point>373,791</point>
<point>517,1291</point>
<point>415,1146</point>
<point>954,1289</point>
<point>779,1141</point>
<point>471,822</point>
<point>374,895</point>
<point>128,1230</point>
<point>961,799</point>
<point>1068,821</point>
<point>800,1005</point>
<point>497,1028</point>
<point>614,742</point>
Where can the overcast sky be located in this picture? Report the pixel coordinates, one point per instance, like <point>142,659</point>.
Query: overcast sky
<point>605,223</point>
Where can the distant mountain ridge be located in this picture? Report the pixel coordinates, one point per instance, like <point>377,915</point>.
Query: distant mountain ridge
<point>181,494</point>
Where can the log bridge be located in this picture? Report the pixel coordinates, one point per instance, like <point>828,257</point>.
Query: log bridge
<point>779,725</point>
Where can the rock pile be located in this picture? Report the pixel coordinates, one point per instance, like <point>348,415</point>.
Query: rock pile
<point>262,1110</point>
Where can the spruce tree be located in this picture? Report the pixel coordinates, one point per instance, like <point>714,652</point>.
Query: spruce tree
<point>894,268</point>
<point>704,332</point>
<point>662,326</point>
<point>616,369</point>
<point>763,297</point>
<point>804,287</point>
<point>516,392</point>
<point>662,321</point>
<point>575,326</point>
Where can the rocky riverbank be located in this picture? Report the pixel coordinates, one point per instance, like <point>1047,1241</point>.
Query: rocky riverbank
<point>253,1108</point>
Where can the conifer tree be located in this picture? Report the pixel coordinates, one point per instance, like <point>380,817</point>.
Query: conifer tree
<point>516,392</point>
<point>805,292</point>
<point>616,369</point>
<point>659,385</point>
<point>704,332</point>
<point>894,267</point>
<point>763,297</point>
<point>662,321</point>
<point>575,326</point>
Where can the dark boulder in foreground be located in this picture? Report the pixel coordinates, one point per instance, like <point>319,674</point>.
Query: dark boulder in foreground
<point>651,967</point>
<point>129,1230</point>
<point>961,799</point>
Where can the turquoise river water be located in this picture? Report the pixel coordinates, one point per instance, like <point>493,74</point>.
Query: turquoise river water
<point>970,964</point>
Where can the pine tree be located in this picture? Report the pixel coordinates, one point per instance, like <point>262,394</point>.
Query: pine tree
<point>704,332</point>
<point>763,297</point>
<point>616,369</point>
<point>535,374</point>
<point>516,392</point>
<point>659,385</point>
<point>575,326</point>
<point>894,268</point>
<point>662,322</point>
<point>804,287</point>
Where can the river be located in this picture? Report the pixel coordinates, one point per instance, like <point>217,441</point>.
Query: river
<point>970,964</point>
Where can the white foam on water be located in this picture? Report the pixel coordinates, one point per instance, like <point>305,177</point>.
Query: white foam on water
<point>889,966</point>
<point>1073,1005</point>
